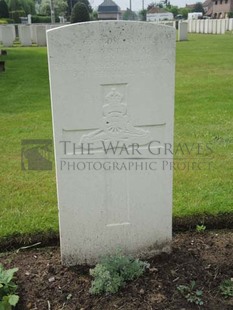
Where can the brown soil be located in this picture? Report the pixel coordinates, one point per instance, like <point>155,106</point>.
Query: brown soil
<point>207,258</point>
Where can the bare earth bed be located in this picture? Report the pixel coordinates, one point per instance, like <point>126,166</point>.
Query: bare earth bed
<point>206,258</point>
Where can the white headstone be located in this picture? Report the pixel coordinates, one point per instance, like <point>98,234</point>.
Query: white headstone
<point>218,26</point>
<point>214,29</point>
<point>61,19</point>
<point>194,23</point>
<point>197,25</point>
<point>182,31</point>
<point>29,19</point>
<point>25,35</point>
<point>230,25</point>
<point>33,32</point>
<point>210,26</point>
<point>41,35</point>
<point>14,31</point>
<point>201,28</point>
<point>0,33</point>
<point>8,34</point>
<point>223,26</point>
<point>206,25</point>
<point>190,25</point>
<point>227,24</point>
<point>112,83</point>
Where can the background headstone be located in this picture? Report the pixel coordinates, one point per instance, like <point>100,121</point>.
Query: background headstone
<point>25,35</point>
<point>183,31</point>
<point>33,33</point>
<point>230,25</point>
<point>190,25</point>
<point>41,35</point>
<point>8,34</point>
<point>0,33</point>
<point>194,26</point>
<point>112,82</point>
<point>214,29</point>
<point>206,25</point>
<point>210,26</point>
<point>29,19</point>
<point>223,26</point>
<point>219,26</point>
<point>201,27</point>
<point>198,26</point>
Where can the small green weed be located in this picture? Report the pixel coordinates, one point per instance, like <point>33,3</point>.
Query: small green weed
<point>226,288</point>
<point>191,294</point>
<point>200,228</point>
<point>113,271</point>
<point>8,296</point>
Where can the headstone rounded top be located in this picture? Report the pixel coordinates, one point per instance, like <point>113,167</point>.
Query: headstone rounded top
<point>111,23</point>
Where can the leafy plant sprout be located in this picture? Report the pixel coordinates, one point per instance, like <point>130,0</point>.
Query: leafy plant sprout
<point>200,228</point>
<point>226,288</point>
<point>8,295</point>
<point>191,294</point>
<point>113,271</point>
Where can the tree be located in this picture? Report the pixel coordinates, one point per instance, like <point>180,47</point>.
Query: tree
<point>15,10</point>
<point>173,9</point>
<point>79,13</point>
<point>94,15</point>
<point>14,5</point>
<point>60,7</point>
<point>198,8</point>
<point>71,4</point>
<point>129,15</point>
<point>184,12</point>
<point>155,5</point>
<point>44,8</point>
<point>142,15</point>
<point>28,6</point>
<point>4,12</point>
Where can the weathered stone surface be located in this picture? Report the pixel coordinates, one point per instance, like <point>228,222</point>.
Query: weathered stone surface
<point>113,83</point>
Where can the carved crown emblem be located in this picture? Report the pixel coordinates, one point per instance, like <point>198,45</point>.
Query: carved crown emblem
<point>113,97</point>
<point>114,103</point>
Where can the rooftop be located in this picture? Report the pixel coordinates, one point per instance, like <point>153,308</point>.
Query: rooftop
<point>108,6</point>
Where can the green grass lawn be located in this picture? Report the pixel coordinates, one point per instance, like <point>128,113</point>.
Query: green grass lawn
<point>203,114</point>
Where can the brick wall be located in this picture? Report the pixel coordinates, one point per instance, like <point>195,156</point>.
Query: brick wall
<point>222,7</point>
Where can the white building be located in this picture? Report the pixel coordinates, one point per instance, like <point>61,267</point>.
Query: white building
<point>195,15</point>
<point>156,14</point>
